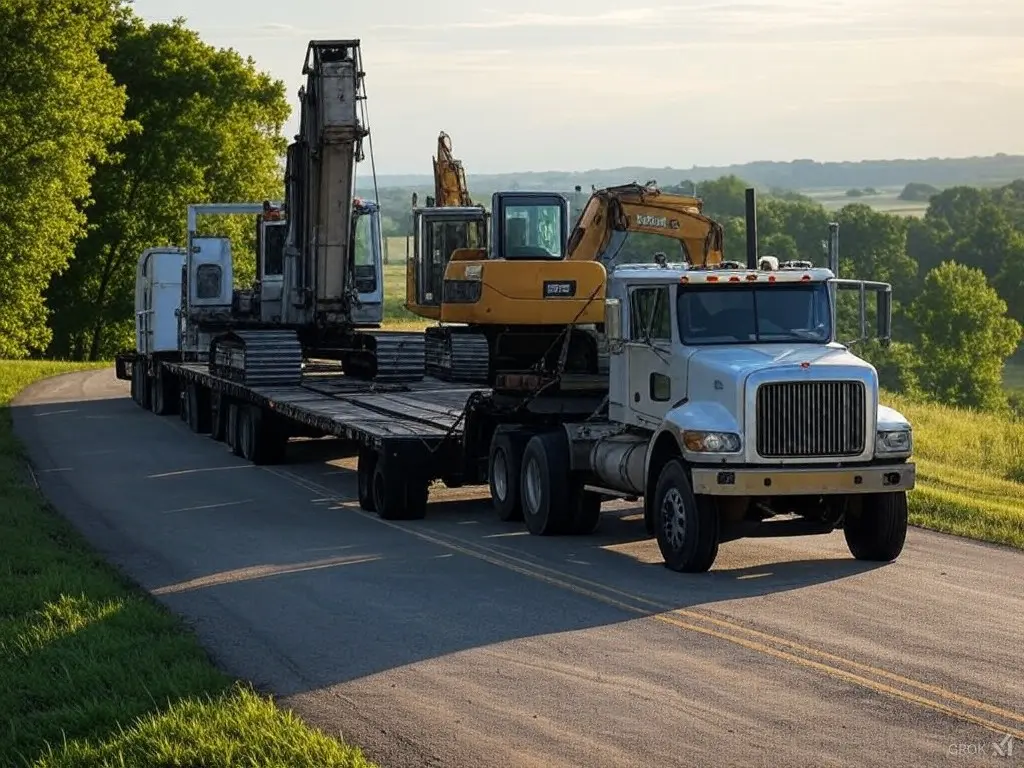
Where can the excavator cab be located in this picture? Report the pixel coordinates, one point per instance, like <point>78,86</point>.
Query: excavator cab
<point>438,233</point>
<point>529,226</point>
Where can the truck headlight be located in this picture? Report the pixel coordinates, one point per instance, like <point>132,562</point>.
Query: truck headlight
<point>711,442</point>
<point>896,441</point>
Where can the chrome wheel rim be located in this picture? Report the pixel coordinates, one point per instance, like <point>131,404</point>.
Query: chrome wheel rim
<point>673,518</point>
<point>500,475</point>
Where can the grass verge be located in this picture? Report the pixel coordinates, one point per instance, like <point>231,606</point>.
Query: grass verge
<point>93,672</point>
<point>970,472</point>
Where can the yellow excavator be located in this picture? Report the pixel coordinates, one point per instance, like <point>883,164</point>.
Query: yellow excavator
<point>506,293</point>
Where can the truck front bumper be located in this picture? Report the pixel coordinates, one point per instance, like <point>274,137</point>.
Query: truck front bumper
<point>800,481</point>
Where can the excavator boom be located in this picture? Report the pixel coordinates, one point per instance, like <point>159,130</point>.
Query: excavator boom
<point>450,187</point>
<point>614,217</point>
<point>320,175</point>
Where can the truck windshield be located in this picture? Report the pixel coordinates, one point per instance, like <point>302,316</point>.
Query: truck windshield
<point>728,314</point>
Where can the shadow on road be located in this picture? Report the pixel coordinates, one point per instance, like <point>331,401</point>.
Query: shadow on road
<point>293,587</point>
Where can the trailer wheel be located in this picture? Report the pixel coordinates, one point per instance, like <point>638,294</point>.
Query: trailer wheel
<point>234,428</point>
<point>259,440</point>
<point>365,467</point>
<point>402,497</point>
<point>504,466</point>
<point>198,413</point>
<point>878,530</point>
<point>686,528</point>
<point>545,484</point>
<point>218,416</point>
<point>164,397</point>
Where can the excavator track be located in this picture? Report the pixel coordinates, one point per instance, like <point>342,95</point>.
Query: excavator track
<point>257,358</point>
<point>399,356</point>
<point>457,354</point>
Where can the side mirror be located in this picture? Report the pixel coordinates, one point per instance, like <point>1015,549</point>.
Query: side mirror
<point>883,294</point>
<point>885,316</point>
<point>613,324</point>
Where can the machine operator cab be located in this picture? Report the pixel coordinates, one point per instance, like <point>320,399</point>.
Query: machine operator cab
<point>521,226</point>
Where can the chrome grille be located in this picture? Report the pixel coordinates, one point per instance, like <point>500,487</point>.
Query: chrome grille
<point>803,419</point>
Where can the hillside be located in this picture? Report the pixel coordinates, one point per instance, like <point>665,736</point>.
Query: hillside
<point>797,174</point>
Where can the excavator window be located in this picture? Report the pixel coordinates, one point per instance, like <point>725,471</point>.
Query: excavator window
<point>363,252</point>
<point>532,228</point>
<point>272,248</point>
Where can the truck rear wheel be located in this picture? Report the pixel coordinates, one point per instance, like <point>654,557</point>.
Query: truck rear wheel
<point>878,530</point>
<point>686,529</point>
<point>545,485</point>
<point>503,472</point>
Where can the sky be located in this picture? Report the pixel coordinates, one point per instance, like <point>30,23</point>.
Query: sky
<point>577,85</point>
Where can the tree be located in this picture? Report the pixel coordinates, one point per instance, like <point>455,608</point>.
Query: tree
<point>917,192</point>
<point>209,130</point>
<point>59,108</point>
<point>964,337</point>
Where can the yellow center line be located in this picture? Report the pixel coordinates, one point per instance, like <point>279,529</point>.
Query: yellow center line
<point>641,606</point>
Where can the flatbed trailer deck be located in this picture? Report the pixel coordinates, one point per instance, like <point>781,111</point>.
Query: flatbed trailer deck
<point>408,434</point>
<point>426,413</point>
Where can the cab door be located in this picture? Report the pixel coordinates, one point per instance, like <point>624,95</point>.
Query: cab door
<point>437,232</point>
<point>648,352</point>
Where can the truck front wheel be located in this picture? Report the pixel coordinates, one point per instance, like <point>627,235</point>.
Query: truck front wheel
<point>686,529</point>
<point>878,530</point>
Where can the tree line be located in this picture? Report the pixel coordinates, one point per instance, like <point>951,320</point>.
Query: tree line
<point>111,126</point>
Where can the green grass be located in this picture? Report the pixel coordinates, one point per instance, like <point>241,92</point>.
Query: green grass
<point>396,316</point>
<point>970,479</point>
<point>93,672</point>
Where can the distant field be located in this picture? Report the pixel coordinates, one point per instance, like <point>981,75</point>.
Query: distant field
<point>886,200</point>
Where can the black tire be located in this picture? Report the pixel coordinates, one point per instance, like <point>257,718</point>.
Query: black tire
<point>878,530</point>
<point>686,529</point>
<point>218,417</point>
<point>140,381</point>
<point>246,433</point>
<point>586,517</point>
<point>234,428</point>
<point>260,441</point>
<point>504,465</point>
<point>402,497</point>
<point>198,420</point>
<point>545,486</point>
<point>365,466</point>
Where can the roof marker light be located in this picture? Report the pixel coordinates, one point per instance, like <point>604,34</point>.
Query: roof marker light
<point>712,278</point>
<point>752,276</point>
<point>805,278</point>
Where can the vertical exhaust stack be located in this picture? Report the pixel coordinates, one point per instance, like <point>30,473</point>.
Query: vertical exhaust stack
<point>833,248</point>
<point>751,215</point>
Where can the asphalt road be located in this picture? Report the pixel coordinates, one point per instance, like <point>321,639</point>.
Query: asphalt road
<point>462,641</point>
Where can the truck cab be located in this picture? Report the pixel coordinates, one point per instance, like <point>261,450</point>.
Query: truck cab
<point>733,408</point>
<point>737,377</point>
